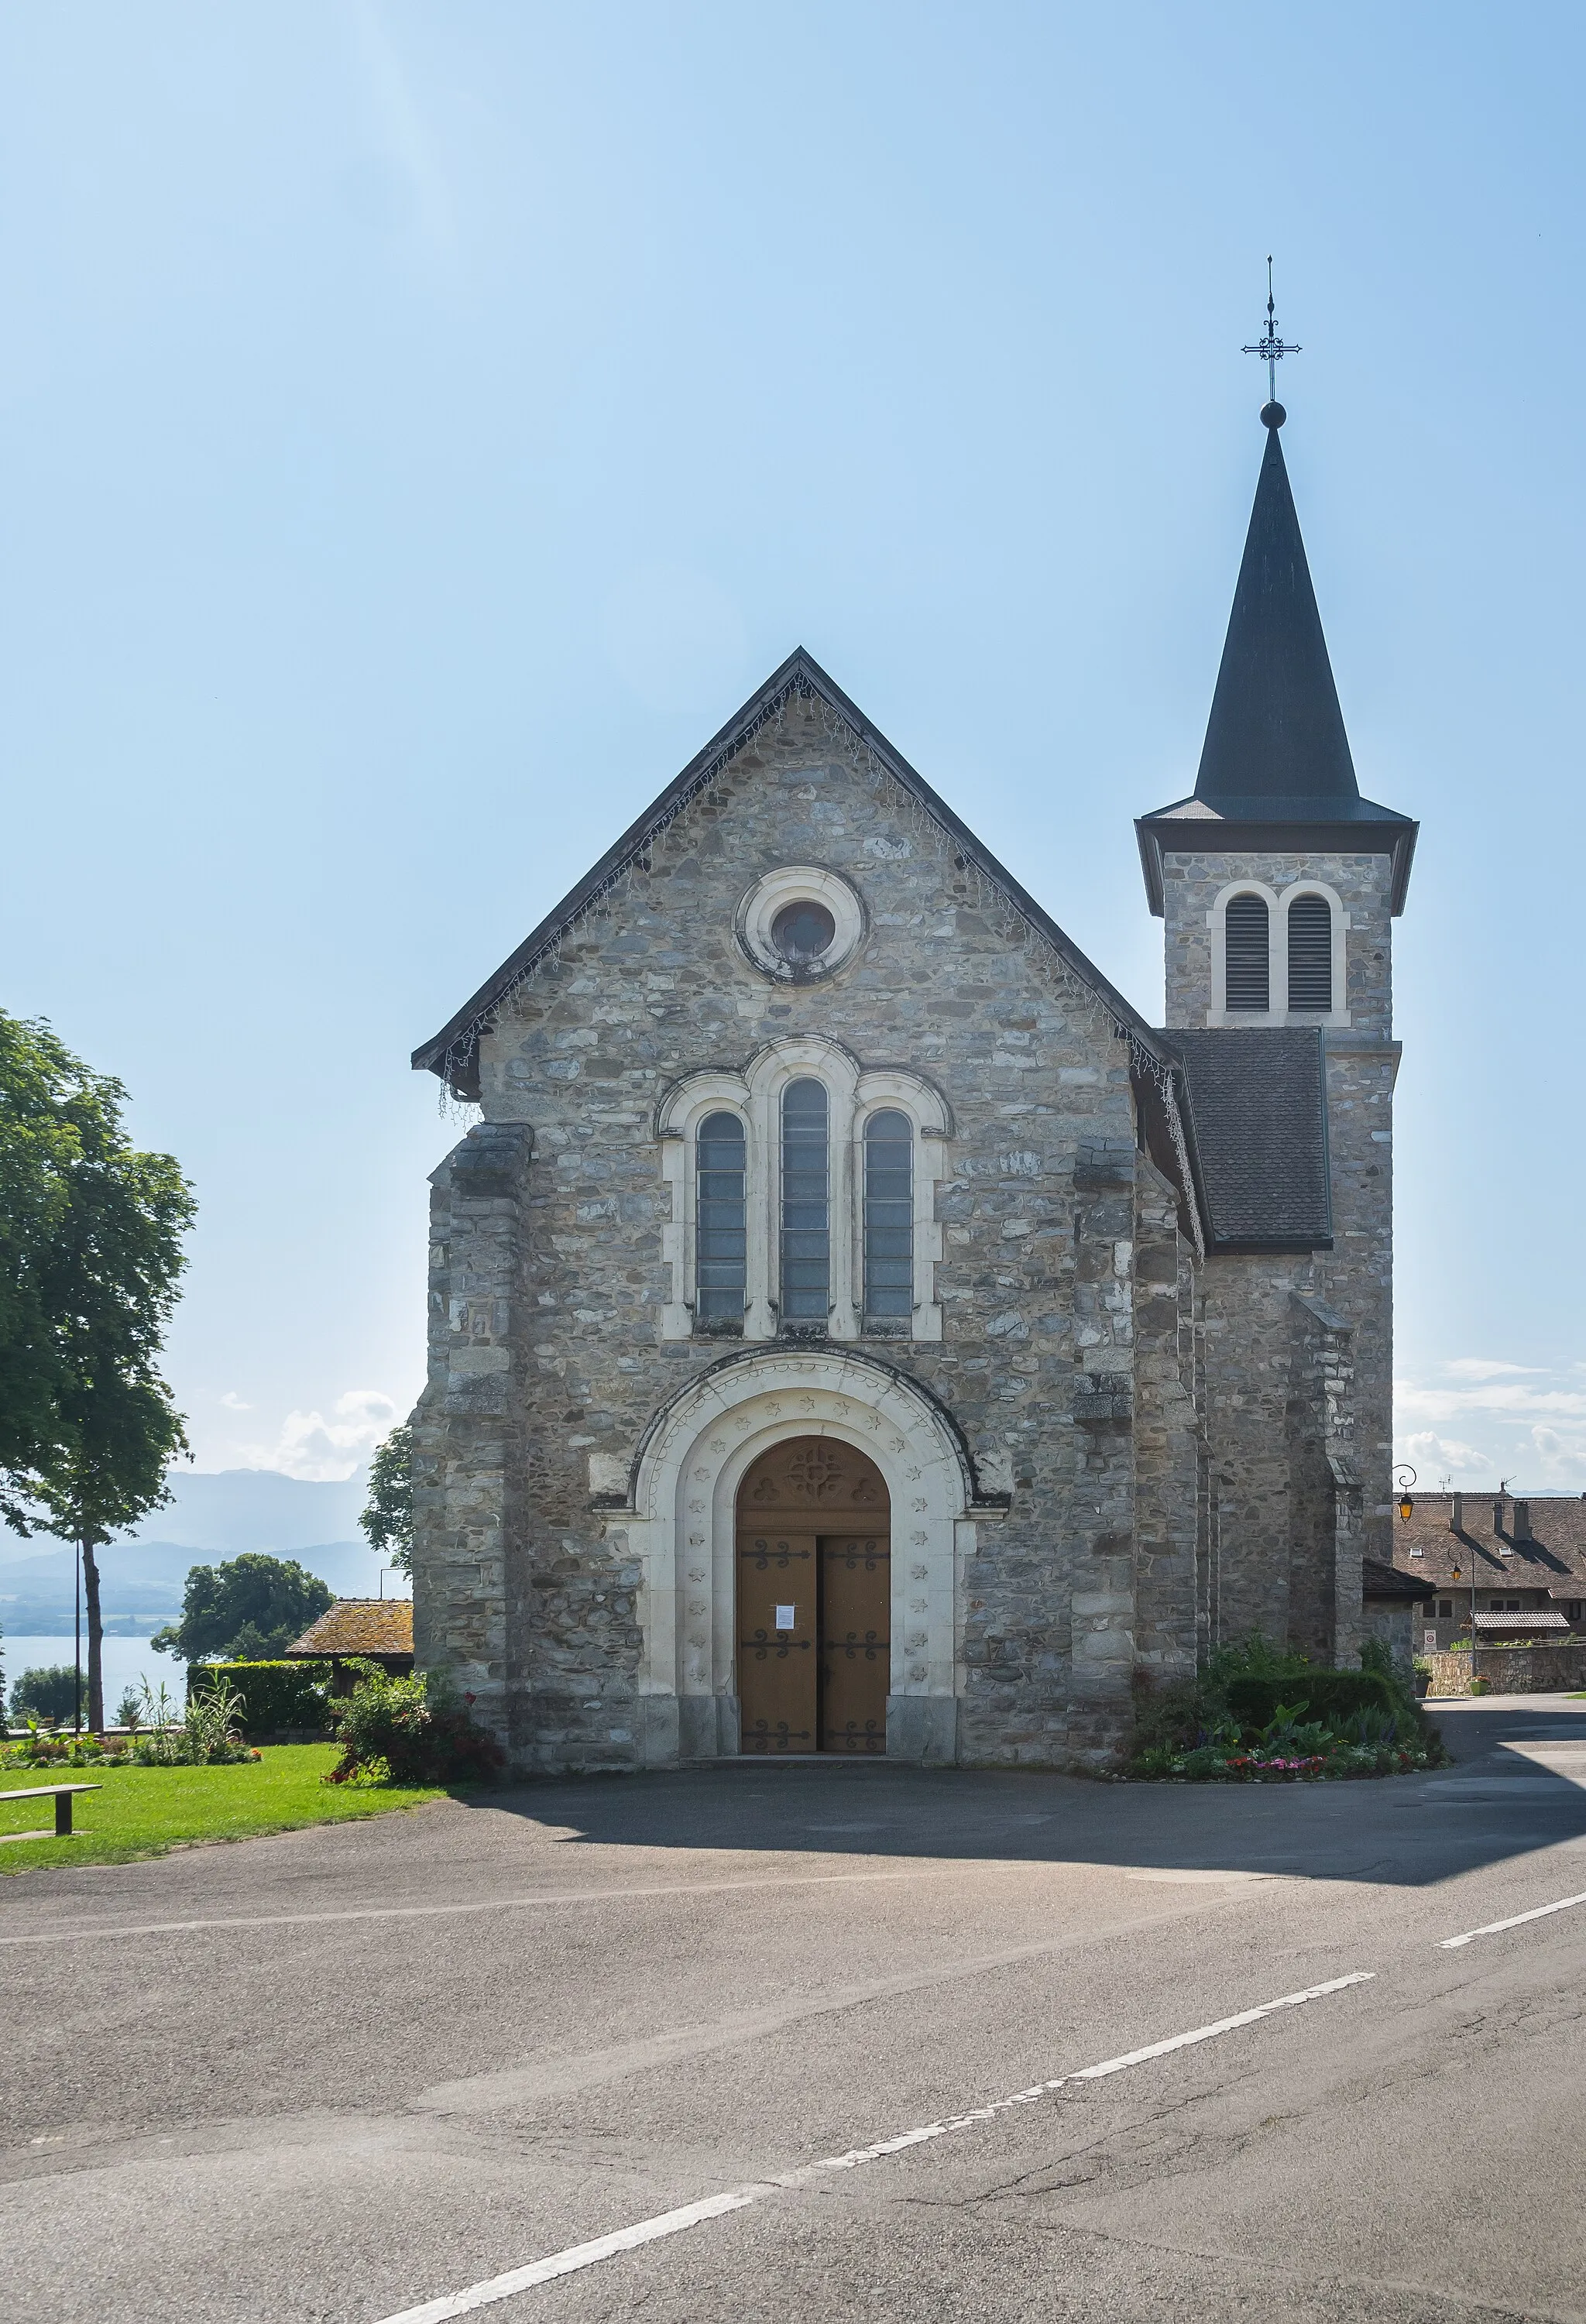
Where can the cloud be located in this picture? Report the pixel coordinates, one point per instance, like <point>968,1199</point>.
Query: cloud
<point>1434,1456</point>
<point>325,1451</point>
<point>1483,1368</point>
<point>233,1403</point>
<point>1485,1418</point>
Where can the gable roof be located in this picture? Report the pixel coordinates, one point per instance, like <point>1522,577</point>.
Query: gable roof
<point>453,1053</point>
<point>1255,1108</point>
<point>360,1626</point>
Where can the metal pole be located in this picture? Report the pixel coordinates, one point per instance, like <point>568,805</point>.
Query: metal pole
<point>77,1720</point>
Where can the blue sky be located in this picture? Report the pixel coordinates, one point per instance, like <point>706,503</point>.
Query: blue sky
<point>422,426</point>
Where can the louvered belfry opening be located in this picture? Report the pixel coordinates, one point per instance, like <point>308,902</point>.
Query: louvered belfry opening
<point>1247,980</point>
<point>1310,956</point>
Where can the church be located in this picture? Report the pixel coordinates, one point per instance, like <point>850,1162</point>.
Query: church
<point>853,1328</point>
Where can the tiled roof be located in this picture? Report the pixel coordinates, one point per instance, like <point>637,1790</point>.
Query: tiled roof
<point>360,1626</point>
<point>1551,1557</point>
<point>1258,1126</point>
<point>1538,1619</point>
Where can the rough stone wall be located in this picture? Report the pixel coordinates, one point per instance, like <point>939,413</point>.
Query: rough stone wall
<point>1168,1437</point>
<point>1326,1536</point>
<point>1513,1670</point>
<point>1038,1283</point>
<point>1249,1337</point>
<point>470,1465</point>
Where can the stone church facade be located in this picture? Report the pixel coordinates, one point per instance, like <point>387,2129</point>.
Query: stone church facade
<point>853,1328</point>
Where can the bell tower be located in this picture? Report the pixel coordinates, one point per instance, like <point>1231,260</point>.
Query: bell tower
<point>1278,884</point>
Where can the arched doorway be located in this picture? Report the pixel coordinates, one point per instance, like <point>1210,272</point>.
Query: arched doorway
<point>814,1601</point>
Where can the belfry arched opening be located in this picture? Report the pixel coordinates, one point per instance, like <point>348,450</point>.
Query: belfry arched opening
<point>813,1631</point>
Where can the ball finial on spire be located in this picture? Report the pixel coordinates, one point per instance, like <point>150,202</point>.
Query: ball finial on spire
<point>1273,415</point>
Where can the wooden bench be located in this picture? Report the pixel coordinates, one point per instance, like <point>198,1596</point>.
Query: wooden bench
<point>62,1795</point>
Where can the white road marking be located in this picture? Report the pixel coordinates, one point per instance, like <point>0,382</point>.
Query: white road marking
<point>1492,1928</point>
<point>738,2198</point>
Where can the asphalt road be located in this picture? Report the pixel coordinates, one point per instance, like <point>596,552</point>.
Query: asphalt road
<point>344,2074</point>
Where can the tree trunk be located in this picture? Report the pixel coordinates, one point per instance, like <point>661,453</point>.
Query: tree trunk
<point>96,1640</point>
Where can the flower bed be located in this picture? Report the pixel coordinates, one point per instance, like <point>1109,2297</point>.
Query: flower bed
<point>1261,1715</point>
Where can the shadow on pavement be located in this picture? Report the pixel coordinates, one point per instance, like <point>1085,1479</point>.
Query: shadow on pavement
<point>1509,1793</point>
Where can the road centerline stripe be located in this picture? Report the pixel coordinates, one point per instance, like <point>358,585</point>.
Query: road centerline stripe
<point>1494,1928</point>
<point>737,2198</point>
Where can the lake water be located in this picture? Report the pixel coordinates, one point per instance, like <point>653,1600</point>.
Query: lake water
<point>125,1662</point>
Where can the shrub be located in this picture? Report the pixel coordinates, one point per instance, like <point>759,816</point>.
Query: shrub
<point>47,1692</point>
<point>408,1730</point>
<point>1327,1694</point>
<point>129,1711</point>
<point>206,1737</point>
<point>269,1695</point>
<point>1258,1713</point>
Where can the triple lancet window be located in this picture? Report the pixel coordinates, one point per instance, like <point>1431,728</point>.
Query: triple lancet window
<point>802,1198</point>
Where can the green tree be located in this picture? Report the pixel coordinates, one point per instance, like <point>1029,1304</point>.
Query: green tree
<point>44,1093</point>
<point>388,1513</point>
<point>94,1280</point>
<point>250,1608</point>
<point>47,1692</point>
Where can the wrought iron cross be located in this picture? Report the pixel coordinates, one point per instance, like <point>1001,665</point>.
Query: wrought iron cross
<point>1271,346</point>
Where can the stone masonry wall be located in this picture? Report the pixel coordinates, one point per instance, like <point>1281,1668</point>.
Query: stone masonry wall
<point>1249,1336</point>
<point>1037,1283</point>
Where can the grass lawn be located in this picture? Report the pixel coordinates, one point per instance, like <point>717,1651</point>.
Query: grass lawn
<point>145,1810</point>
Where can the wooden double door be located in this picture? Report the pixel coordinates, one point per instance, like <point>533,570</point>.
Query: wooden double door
<point>815,1601</point>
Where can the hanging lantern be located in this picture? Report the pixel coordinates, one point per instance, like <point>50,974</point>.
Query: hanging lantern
<point>1406,1507</point>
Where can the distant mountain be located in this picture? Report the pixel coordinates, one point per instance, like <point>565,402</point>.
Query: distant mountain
<point>142,1584</point>
<point>240,1508</point>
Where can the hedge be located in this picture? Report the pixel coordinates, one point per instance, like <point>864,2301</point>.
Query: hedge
<point>1324,1694</point>
<point>275,1695</point>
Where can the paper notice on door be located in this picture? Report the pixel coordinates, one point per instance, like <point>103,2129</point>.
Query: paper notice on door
<point>785,1618</point>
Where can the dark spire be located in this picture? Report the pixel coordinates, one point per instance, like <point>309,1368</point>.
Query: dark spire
<point>1275,749</point>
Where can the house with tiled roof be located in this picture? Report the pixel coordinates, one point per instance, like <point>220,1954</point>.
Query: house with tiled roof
<point>1522,1561</point>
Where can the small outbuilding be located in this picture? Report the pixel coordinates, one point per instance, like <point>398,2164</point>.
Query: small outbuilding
<point>366,1630</point>
<point>1390,1599</point>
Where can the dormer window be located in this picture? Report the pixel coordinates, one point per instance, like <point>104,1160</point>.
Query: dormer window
<point>1247,973</point>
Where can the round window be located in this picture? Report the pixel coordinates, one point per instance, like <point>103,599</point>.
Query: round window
<point>802,932</point>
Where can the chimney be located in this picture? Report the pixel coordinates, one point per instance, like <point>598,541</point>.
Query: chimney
<point>1522,1520</point>
<point>1498,1516</point>
<point>1456,1515</point>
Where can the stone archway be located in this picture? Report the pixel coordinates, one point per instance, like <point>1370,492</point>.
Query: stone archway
<point>679,1525</point>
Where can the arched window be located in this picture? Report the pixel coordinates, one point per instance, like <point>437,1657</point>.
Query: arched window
<point>1246,980</point>
<point>806,1237</point>
<point>1310,956</point>
<point>721,1222</point>
<point>888,1216</point>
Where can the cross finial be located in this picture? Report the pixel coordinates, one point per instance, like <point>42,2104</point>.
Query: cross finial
<point>1272,347</point>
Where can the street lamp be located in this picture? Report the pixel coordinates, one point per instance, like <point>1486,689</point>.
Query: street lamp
<point>1406,1507</point>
